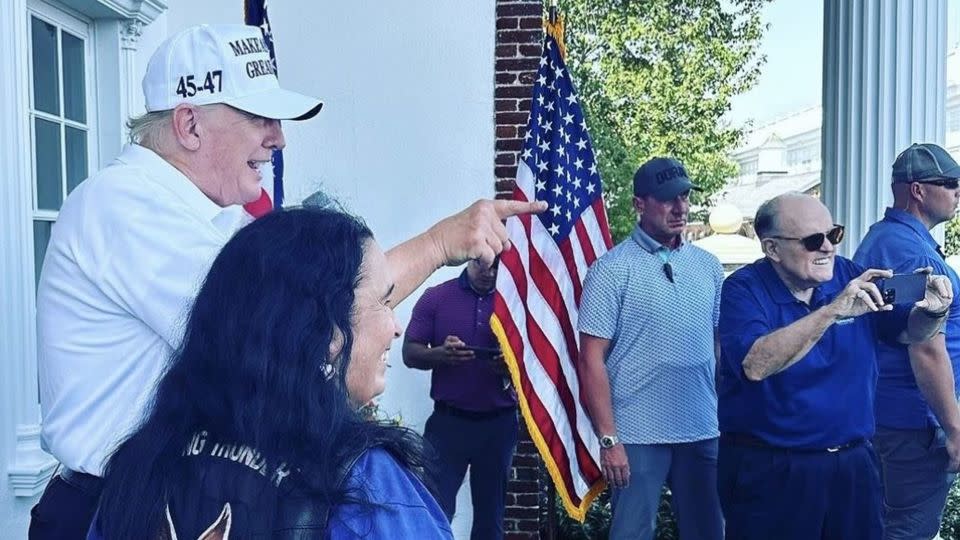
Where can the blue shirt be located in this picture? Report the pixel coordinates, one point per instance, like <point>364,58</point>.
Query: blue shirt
<point>902,243</point>
<point>823,400</point>
<point>401,505</point>
<point>661,359</point>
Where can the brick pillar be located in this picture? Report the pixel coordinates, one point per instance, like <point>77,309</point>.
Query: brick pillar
<point>519,35</point>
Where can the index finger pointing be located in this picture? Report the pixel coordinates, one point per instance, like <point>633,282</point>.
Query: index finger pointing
<point>506,209</point>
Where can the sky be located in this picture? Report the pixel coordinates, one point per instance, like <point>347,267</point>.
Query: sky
<point>790,80</point>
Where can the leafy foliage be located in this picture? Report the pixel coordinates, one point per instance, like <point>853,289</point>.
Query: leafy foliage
<point>597,524</point>
<point>951,235</point>
<point>655,77</point>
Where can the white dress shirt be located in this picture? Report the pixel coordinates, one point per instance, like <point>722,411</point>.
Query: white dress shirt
<point>126,257</point>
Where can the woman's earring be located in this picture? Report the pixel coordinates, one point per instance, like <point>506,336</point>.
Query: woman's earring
<point>328,371</point>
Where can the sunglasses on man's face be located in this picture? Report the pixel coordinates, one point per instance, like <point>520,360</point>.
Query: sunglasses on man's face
<point>949,183</point>
<point>815,241</point>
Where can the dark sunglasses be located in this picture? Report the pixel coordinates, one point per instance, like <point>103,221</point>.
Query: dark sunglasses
<point>949,183</point>
<point>815,241</point>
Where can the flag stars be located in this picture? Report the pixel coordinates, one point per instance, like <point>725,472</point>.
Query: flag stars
<point>593,168</point>
<point>569,216</point>
<point>571,99</point>
<point>543,61</point>
<point>557,190</point>
<point>550,106</point>
<point>540,99</point>
<point>567,119</point>
<point>527,154</point>
<point>576,202</point>
<point>554,229</point>
<point>541,165</point>
<point>576,183</point>
<point>591,188</point>
<point>555,210</point>
<point>578,164</point>
<point>544,146</point>
<point>541,185</point>
<point>581,144</point>
<point>558,73</point>
<point>559,170</point>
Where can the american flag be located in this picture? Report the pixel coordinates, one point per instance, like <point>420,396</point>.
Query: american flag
<point>255,14</point>
<point>539,283</point>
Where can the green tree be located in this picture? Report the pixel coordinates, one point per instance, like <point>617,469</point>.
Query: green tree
<point>656,78</point>
<point>951,232</point>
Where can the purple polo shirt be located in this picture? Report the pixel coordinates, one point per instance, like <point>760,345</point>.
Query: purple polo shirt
<point>454,309</point>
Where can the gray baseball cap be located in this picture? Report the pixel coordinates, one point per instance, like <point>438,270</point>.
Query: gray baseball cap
<point>924,162</point>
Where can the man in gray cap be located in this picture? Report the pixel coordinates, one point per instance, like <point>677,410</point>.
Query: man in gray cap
<point>648,316</point>
<point>918,421</point>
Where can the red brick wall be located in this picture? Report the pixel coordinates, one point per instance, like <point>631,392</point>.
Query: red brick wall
<point>519,35</point>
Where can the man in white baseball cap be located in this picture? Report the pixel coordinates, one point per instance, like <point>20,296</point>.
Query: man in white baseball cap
<point>133,242</point>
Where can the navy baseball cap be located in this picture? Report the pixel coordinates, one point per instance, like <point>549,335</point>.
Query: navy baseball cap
<point>924,162</point>
<point>663,178</point>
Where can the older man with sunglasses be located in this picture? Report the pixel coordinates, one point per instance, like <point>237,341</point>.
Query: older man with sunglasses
<point>798,333</point>
<point>918,421</point>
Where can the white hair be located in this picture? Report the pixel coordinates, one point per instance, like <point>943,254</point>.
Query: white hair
<point>148,129</point>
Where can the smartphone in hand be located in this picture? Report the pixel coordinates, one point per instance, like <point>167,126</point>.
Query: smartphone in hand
<point>903,288</point>
<point>482,351</point>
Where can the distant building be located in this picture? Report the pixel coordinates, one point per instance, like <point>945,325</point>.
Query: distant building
<point>784,155</point>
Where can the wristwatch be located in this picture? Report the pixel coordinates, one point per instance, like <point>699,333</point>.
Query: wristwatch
<point>608,441</point>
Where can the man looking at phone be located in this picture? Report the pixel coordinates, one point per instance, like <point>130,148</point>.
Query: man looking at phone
<point>918,421</point>
<point>647,323</point>
<point>798,334</point>
<point>474,421</point>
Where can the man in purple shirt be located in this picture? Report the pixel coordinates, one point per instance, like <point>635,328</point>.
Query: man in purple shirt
<point>474,421</point>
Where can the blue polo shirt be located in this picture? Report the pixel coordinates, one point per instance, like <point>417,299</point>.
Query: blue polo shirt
<point>661,360</point>
<point>823,400</point>
<point>902,243</point>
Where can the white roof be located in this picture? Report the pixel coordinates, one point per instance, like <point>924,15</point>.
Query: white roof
<point>747,198</point>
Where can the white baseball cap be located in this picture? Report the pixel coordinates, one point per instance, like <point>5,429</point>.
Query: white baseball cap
<point>221,63</point>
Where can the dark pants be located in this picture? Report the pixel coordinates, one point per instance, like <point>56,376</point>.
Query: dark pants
<point>769,493</point>
<point>915,481</point>
<point>484,442</point>
<point>66,507</point>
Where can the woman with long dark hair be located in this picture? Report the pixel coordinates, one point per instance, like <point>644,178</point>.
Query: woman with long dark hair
<point>255,426</point>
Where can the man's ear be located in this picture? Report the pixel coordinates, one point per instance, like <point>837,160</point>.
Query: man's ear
<point>638,204</point>
<point>916,192</point>
<point>771,249</point>
<point>186,126</point>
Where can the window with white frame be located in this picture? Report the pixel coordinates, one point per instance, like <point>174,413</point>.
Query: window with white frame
<point>61,119</point>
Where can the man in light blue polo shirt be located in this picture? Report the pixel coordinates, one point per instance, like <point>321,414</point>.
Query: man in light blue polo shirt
<point>918,421</point>
<point>798,333</point>
<point>647,362</point>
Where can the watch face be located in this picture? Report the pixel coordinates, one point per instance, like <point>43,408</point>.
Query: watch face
<point>606,441</point>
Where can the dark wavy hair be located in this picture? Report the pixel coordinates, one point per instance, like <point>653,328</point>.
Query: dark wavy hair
<point>250,370</point>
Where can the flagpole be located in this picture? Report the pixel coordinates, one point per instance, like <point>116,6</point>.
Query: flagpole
<point>551,487</point>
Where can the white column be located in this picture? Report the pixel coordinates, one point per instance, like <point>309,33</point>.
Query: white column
<point>884,83</point>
